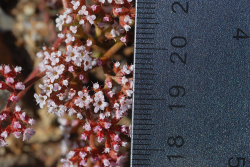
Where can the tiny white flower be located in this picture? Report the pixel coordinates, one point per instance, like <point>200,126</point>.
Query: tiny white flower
<point>91,18</point>
<point>65,82</point>
<point>89,42</point>
<point>127,27</point>
<point>28,133</point>
<point>73,29</point>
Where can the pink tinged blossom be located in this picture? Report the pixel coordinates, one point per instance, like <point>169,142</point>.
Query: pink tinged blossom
<point>71,111</point>
<point>124,129</point>
<point>109,1</point>
<point>107,125</point>
<point>56,87</point>
<point>3,117</point>
<point>118,114</point>
<point>13,98</point>
<point>68,19</point>
<point>83,100</point>
<point>129,93</point>
<point>94,7</point>
<point>81,77</point>
<point>110,93</point>
<point>106,19</point>
<point>71,69</point>
<point>18,108</point>
<point>124,144</point>
<point>100,139</point>
<point>3,143</point>
<point>125,70</point>
<point>1,68</point>
<point>83,11</point>
<point>88,149</point>
<point>9,80</point>
<point>83,163</point>
<point>65,82</point>
<point>116,147</point>
<point>70,154</point>
<point>18,69</point>
<point>127,27</point>
<point>39,54</point>
<point>46,88</point>
<point>54,72</point>
<point>118,10</point>
<point>107,114</point>
<point>102,1</point>
<point>60,35</point>
<point>117,138</point>
<point>124,80</point>
<point>99,104</point>
<point>125,104</point>
<point>82,154</point>
<point>31,121</point>
<point>22,116</point>
<point>79,116</point>
<point>99,62</point>
<point>81,22</point>
<point>101,116</point>
<point>66,163</point>
<point>4,134</point>
<point>28,133</point>
<point>116,106</point>
<point>73,29</point>
<point>117,64</point>
<point>70,38</point>
<point>17,125</point>
<point>87,63</point>
<point>7,69</point>
<point>106,162</point>
<point>83,137</point>
<point>71,53</point>
<point>1,85</point>
<point>41,100</point>
<point>106,150</point>
<point>89,42</point>
<point>97,128</point>
<point>91,18</point>
<point>123,39</point>
<point>60,22</point>
<point>96,86</point>
<point>109,85</point>
<point>128,20</point>
<point>87,127</point>
<point>17,134</point>
<point>76,4</point>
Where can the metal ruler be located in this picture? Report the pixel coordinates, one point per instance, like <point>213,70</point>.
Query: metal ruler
<point>192,84</point>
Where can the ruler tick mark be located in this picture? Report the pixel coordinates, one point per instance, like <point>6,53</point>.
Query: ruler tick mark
<point>145,8</point>
<point>141,114</point>
<point>145,33</point>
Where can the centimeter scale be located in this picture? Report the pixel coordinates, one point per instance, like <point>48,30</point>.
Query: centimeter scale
<point>191,103</point>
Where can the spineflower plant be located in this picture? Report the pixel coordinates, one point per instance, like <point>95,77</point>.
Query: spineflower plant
<point>95,109</point>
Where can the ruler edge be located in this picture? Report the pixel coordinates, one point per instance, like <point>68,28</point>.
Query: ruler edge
<point>132,127</point>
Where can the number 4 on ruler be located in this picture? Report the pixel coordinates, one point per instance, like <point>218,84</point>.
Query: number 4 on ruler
<point>240,34</point>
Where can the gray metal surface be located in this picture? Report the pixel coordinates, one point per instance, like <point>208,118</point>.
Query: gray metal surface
<point>192,111</point>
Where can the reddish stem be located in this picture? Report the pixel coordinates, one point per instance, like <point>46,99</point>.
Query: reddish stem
<point>65,4</point>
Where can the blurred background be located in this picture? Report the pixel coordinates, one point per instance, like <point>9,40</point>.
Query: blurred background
<point>26,26</point>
